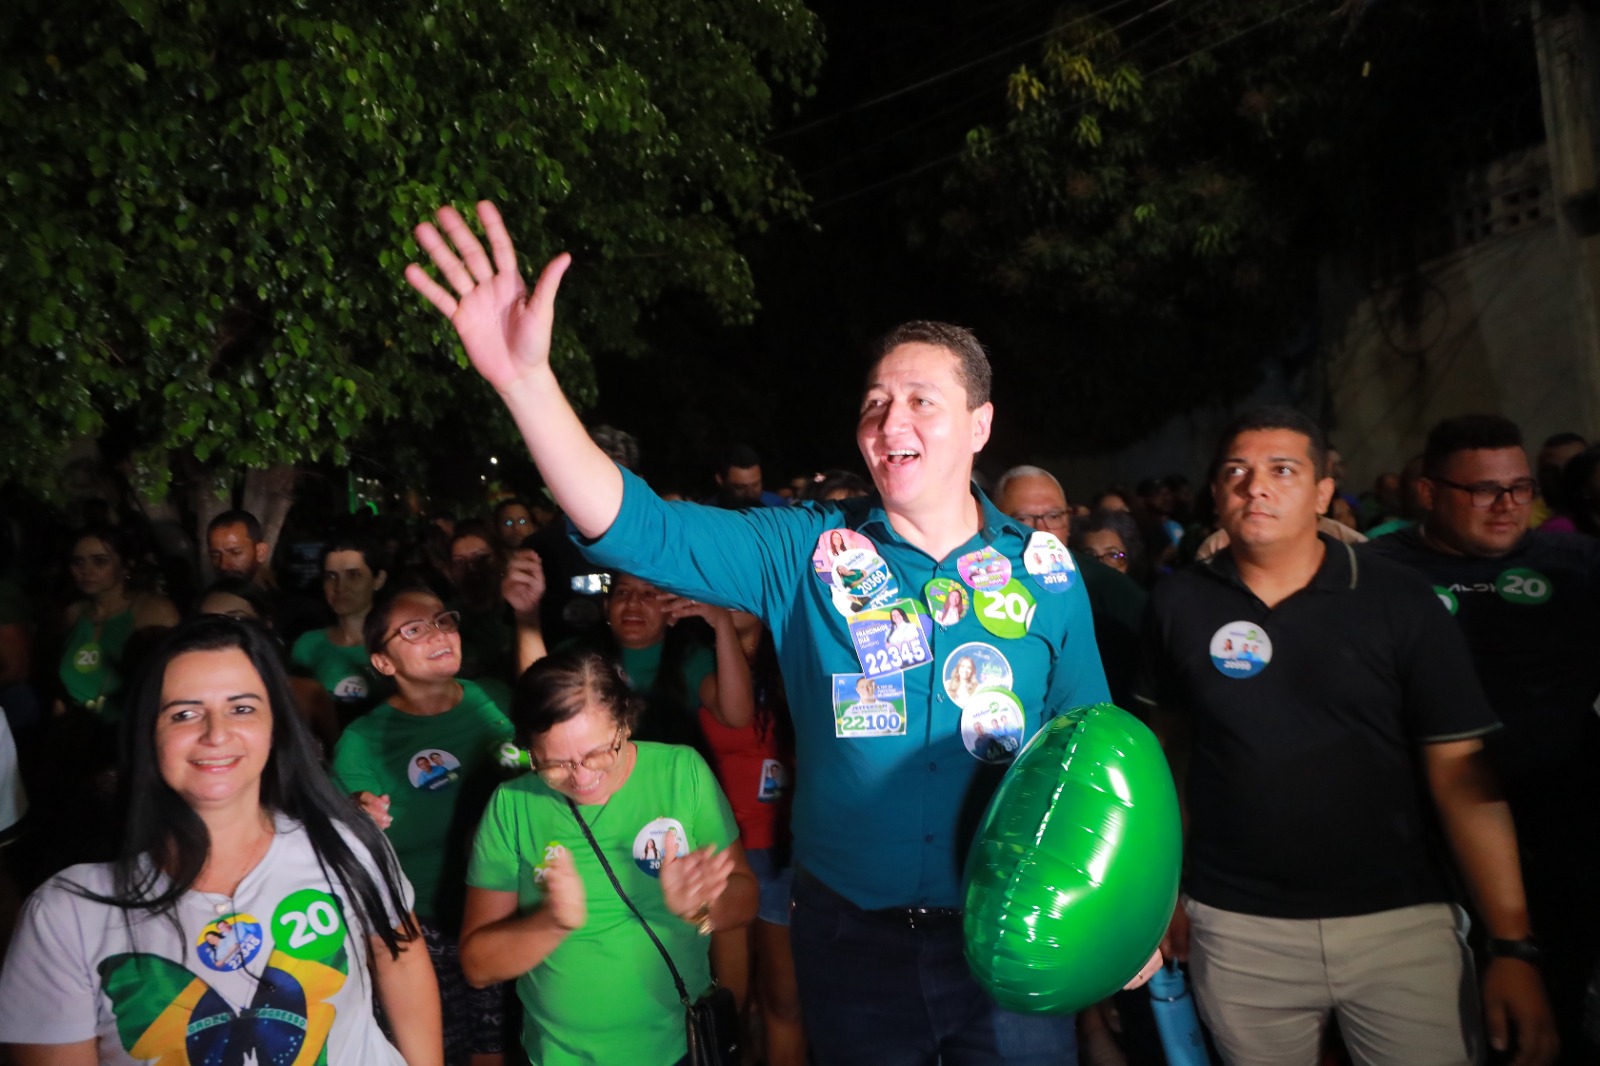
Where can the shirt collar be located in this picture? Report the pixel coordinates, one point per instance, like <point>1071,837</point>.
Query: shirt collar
<point>995,522</point>
<point>1339,571</point>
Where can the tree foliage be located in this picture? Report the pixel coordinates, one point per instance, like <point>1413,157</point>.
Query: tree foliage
<point>207,206</point>
<point>1168,178</point>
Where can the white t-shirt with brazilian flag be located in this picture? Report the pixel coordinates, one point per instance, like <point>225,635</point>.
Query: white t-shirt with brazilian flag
<point>268,975</point>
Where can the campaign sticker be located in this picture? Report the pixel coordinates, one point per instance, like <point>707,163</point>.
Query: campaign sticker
<point>432,769</point>
<point>229,942</point>
<point>1525,588</point>
<point>1006,612</point>
<point>863,582</point>
<point>1447,598</point>
<point>948,601</point>
<point>985,568</point>
<point>656,840</point>
<point>774,781</point>
<point>869,707</point>
<point>972,667</point>
<point>1241,649</point>
<point>1047,559</point>
<point>552,850</point>
<point>309,925</point>
<point>992,724</point>
<point>86,657</point>
<point>354,687</point>
<point>832,546</point>
<point>891,639</point>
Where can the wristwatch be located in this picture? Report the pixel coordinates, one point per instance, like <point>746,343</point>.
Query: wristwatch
<point>1527,949</point>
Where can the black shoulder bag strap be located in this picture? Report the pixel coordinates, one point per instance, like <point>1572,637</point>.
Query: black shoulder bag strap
<point>677,979</point>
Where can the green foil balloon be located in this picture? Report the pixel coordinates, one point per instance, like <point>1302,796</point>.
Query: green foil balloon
<point>1072,879</point>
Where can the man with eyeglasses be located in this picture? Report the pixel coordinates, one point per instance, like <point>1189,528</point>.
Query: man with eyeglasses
<point>1322,713</point>
<point>1034,497</point>
<point>1529,603</point>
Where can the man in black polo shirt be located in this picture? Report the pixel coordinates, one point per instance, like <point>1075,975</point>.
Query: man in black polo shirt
<point>1529,604</point>
<point>1334,723</point>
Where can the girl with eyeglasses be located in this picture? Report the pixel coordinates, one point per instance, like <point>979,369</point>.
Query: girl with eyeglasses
<point>422,765</point>
<point>540,906</point>
<point>251,914</point>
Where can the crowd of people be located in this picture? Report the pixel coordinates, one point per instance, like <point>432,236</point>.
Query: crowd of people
<point>517,785</point>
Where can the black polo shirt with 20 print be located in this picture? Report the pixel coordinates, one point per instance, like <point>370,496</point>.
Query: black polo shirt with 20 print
<point>1532,622</point>
<point>1306,793</point>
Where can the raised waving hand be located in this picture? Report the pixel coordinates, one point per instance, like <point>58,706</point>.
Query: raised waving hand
<point>505,330</point>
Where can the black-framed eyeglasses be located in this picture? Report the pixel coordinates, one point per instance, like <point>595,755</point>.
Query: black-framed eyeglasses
<point>414,632</point>
<point>1488,493</point>
<point>1043,518</point>
<point>1111,555</point>
<point>595,761</point>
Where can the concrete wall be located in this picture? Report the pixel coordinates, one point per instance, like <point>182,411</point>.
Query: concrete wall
<point>1492,325</point>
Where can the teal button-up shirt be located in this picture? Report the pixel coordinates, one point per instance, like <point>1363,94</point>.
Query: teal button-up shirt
<point>883,820</point>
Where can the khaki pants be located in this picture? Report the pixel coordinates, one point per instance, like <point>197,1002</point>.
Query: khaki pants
<point>1401,982</point>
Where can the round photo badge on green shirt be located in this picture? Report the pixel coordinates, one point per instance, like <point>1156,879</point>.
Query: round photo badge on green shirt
<point>1007,612</point>
<point>1525,588</point>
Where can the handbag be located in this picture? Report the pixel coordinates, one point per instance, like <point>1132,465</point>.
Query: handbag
<point>711,1022</point>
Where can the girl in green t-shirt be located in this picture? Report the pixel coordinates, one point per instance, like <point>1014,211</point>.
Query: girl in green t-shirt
<point>540,909</point>
<point>422,765</point>
<point>337,656</point>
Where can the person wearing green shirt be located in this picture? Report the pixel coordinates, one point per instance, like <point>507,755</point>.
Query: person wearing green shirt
<point>422,765</point>
<point>337,656</point>
<point>540,907</point>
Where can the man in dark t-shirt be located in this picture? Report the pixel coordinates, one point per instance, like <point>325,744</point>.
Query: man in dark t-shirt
<point>1529,604</point>
<point>1325,716</point>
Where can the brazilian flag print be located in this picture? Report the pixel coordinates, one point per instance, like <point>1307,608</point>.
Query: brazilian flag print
<point>168,1016</point>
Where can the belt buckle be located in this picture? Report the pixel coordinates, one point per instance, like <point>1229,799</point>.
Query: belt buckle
<point>932,917</point>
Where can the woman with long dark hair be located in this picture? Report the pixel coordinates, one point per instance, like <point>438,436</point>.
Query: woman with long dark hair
<point>247,906</point>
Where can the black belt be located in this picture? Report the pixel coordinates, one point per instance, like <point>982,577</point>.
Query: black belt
<point>918,917</point>
<point>909,917</point>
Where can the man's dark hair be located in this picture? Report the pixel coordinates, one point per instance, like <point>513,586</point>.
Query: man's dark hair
<point>1465,433</point>
<point>1556,440</point>
<point>973,371</point>
<point>738,455</point>
<point>619,445</point>
<point>1264,418</point>
<point>237,517</point>
<point>510,501</point>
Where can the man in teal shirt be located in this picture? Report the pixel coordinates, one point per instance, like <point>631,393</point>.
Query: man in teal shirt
<point>885,802</point>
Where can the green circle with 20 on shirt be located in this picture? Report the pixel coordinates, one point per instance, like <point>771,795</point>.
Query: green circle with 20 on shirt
<point>1447,598</point>
<point>1526,588</point>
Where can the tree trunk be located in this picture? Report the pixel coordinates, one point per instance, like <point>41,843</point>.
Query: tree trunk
<point>268,494</point>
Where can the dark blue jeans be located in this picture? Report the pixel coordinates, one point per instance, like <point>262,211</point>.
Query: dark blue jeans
<point>878,992</point>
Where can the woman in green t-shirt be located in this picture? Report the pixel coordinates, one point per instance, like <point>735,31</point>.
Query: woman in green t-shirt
<point>99,625</point>
<point>542,910</point>
<point>337,656</point>
<point>422,766</point>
